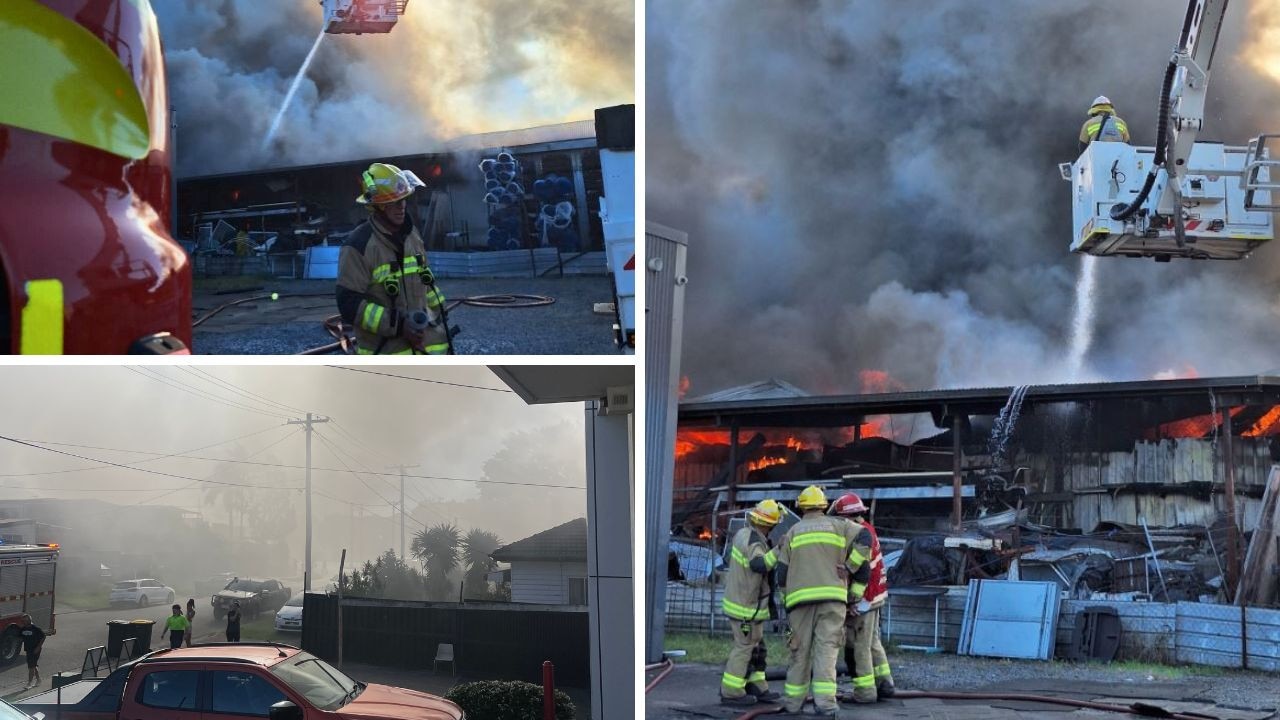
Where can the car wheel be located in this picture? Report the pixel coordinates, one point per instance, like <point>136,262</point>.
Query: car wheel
<point>10,646</point>
<point>142,601</point>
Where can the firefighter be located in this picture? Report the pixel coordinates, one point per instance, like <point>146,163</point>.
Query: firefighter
<point>383,277</point>
<point>748,601</point>
<point>863,652</point>
<point>813,568</point>
<point>1103,124</point>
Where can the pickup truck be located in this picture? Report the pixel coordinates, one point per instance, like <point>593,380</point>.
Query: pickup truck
<point>235,681</point>
<point>255,596</point>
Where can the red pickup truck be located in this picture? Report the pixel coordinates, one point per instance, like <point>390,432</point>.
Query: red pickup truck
<point>235,681</point>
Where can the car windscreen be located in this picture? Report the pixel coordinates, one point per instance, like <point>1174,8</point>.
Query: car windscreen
<point>9,712</point>
<point>244,585</point>
<point>125,585</point>
<point>320,683</point>
<point>295,601</point>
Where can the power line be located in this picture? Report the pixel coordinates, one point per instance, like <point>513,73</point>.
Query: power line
<point>243,392</point>
<point>161,456</point>
<point>215,472</point>
<point>141,470</point>
<point>423,380</point>
<point>329,444</point>
<point>199,393</point>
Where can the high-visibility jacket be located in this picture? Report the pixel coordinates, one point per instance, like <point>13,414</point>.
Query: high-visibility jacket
<point>1104,119</point>
<point>747,590</point>
<point>814,560</point>
<point>383,278</point>
<point>869,581</point>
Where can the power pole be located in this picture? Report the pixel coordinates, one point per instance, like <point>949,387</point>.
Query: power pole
<point>306,578</point>
<point>402,468</point>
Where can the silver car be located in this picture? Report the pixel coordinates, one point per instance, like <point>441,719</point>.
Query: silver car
<point>143,592</point>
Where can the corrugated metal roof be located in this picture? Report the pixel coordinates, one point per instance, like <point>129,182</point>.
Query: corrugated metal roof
<point>567,542</point>
<point>840,410</point>
<point>762,390</point>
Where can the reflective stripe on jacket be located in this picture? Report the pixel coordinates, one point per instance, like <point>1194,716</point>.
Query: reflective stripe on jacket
<point>746,592</point>
<point>816,553</point>
<point>382,279</point>
<point>1115,129</point>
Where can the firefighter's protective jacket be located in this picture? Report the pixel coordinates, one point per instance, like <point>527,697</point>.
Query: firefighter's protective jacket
<point>815,560</point>
<point>382,278</point>
<point>868,579</point>
<point>1103,125</point>
<point>747,591</point>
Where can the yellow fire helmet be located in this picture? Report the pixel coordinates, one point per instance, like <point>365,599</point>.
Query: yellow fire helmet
<point>383,183</point>
<point>811,498</point>
<point>766,512</point>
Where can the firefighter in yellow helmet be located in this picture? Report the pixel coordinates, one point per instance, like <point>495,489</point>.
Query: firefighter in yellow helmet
<point>1103,124</point>
<point>814,567</point>
<point>748,602</point>
<point>386,291</point>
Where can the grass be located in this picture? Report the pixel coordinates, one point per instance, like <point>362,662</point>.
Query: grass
<point>85,600</point>
<point>227,283</point>
<point>1166,672</point>
<point>714,649</point>
<point>263,629</point>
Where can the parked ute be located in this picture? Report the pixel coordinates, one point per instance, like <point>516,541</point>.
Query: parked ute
<point>235,681</point>
<point>255,596</point>
<point>289,617</point>
<point>143,592</point>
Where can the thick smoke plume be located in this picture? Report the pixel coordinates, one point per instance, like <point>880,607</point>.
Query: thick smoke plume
<point>449,68</point>
<point>874,185</point>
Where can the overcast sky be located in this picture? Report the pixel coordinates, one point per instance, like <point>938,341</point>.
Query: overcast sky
<point>456,432</point>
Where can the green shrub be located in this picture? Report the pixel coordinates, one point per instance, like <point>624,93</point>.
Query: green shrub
<point>506,700</point>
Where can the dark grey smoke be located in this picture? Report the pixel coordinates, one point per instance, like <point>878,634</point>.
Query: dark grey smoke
<point>449,68</point>
<point>873,185</point>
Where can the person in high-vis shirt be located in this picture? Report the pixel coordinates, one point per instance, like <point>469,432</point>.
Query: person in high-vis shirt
<point>383,277</point>
<point>863,652</point>
<point>813,569</point>
<point>1103,124</point>
<point>748,603</point>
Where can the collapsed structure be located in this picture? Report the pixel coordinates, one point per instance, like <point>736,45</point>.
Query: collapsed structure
<point>1155,490</point>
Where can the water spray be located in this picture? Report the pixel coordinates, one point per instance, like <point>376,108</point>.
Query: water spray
<point>288,98</point>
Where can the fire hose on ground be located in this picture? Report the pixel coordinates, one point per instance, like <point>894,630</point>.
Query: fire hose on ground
<point>346,342</point>
<point>1139,709</point>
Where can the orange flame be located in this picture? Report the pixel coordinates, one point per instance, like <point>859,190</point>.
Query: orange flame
<point>684,387</point>
<point>878,381</point>
<point>1192,427</point>
<point>1268,424</point>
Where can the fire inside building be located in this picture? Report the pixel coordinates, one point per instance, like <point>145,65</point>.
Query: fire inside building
<point>1162,491</point>
<point>552,170</point>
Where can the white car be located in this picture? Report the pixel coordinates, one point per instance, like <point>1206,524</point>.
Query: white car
<point>142,593</point>
<point>289,617</point>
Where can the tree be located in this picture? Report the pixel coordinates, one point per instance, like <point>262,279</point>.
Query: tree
<point>476,548</point>
<point>387,577</point>
<point>436,548</point>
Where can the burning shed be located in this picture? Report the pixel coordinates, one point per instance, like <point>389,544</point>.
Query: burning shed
<point>1069,459</point>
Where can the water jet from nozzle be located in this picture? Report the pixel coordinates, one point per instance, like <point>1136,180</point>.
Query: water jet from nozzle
<point>288,98</point>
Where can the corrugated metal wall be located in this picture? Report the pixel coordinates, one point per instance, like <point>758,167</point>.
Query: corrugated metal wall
<point>1096,477</point>
<point>663,328</point>
<point>490,640</point>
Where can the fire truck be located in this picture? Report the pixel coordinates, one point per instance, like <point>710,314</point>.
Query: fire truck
<point>615,137</point>
<point>1181,198</point>
<point>87,265</point>
<point>27,574</point>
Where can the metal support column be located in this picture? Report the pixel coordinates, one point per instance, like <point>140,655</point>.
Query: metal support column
<point>1233,529</point>
<point>733,470</point>
<point>956,486</point>
<point>610,483</point>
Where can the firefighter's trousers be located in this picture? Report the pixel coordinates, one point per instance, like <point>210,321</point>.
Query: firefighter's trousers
<point>816,633</point>
<point>865,656</point>
<point>747,660</point>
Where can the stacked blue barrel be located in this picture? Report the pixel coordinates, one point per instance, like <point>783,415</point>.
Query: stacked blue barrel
<point>555,223</point>
<point>505,197</point>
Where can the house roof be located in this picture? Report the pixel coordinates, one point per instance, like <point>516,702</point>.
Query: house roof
<point>567,542</point>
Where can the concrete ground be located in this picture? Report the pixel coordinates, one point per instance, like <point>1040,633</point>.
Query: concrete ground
<point>691,690</point>
<point>293,323</point>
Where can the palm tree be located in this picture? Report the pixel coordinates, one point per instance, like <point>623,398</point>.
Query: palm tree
<point>476,548</point>
<point>436,548</point>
